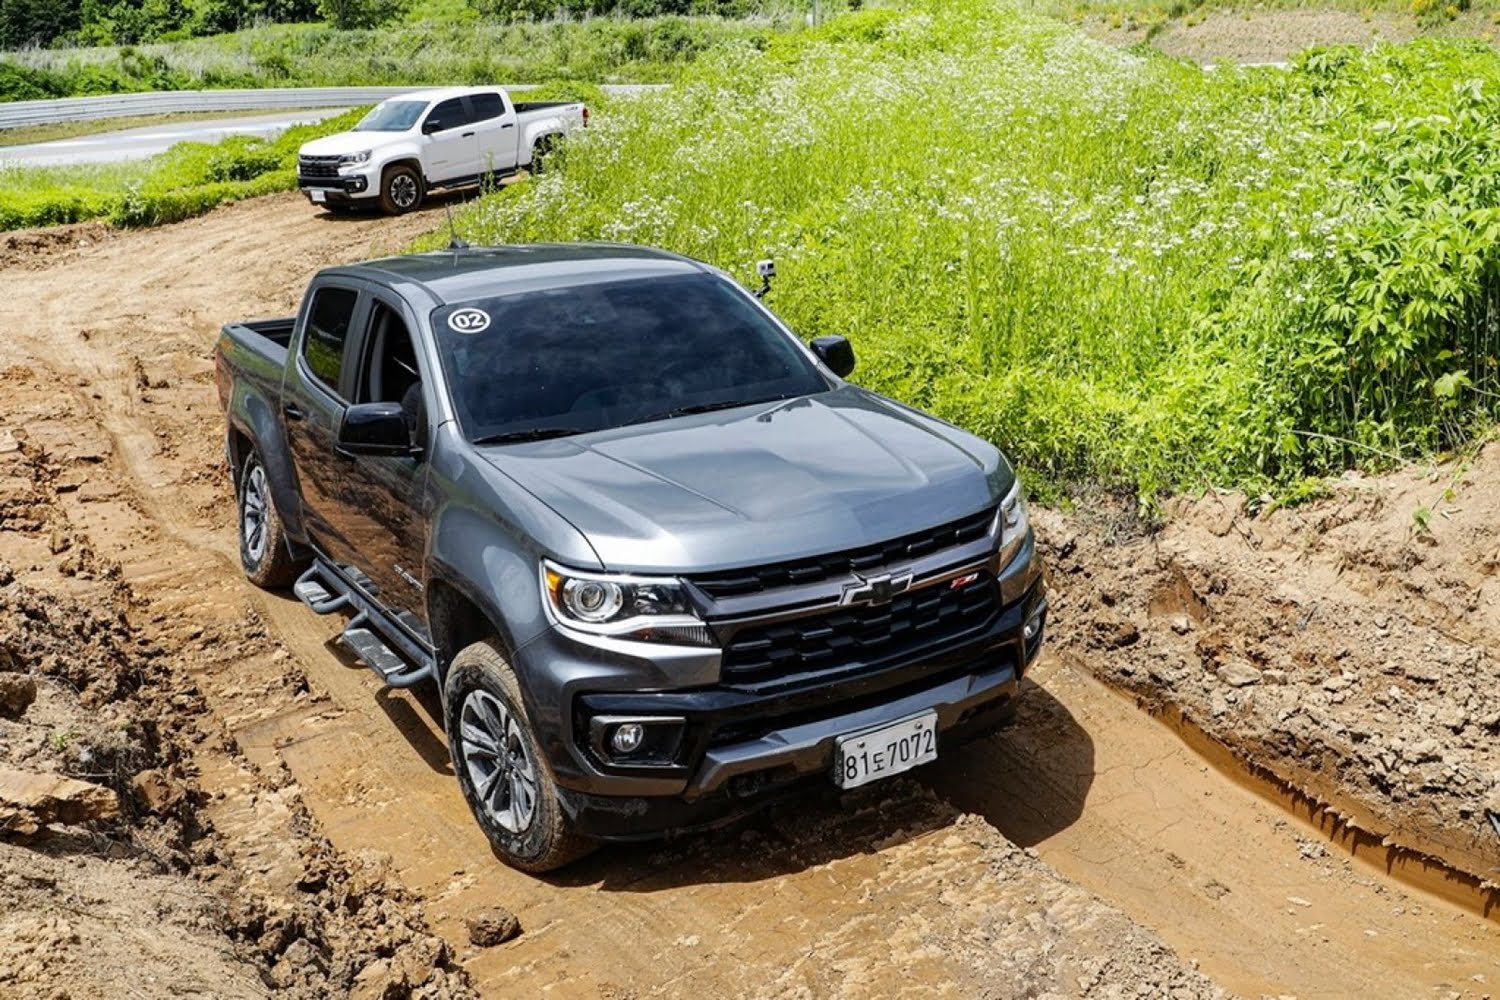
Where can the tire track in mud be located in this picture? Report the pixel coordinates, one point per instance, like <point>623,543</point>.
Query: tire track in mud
<point>892,891</point>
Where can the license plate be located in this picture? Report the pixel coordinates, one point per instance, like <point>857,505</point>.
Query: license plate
<point>319,196</point>
<point>860,758</point>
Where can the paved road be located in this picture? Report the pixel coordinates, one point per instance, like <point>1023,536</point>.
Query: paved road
<point>148,140</point>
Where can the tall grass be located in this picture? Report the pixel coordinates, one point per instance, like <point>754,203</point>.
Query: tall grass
<point>1123,269</point>
<point>444,52</point>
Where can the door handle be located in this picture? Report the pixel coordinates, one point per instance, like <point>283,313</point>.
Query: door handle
<point>291,412</point>
<point>466,135</point>
<point>509,125</point>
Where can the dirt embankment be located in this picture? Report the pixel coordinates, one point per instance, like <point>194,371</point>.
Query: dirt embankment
<point>140,853</point>
<point>891,890</point>
<point>1348,646</point>
<point>1275,36</point>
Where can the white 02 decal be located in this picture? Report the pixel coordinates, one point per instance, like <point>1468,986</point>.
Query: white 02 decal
<point>469,321</point>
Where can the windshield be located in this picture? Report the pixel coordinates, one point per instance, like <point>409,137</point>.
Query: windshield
<point>589,357</point>
<point>392,116</point>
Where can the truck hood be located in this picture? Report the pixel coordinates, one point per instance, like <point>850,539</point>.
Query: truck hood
<point>346,142</point>
<point>759,484</point>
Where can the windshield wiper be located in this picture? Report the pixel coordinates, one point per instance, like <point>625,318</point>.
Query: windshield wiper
<point>530,434</point>
<point>683,411</point>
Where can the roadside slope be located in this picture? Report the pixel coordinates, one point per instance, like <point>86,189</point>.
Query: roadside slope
<point>1347,645</point>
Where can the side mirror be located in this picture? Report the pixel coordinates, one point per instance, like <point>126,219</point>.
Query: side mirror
<point>836,353</point>
<point>432,125</point>
<point>375,429</point>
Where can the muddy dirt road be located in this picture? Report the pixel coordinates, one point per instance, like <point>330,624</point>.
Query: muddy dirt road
<point>1086,851</point>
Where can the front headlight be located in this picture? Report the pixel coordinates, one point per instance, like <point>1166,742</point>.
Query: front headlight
<point>1014,524</point>
<point>360,157</point>
<point>643,608</point>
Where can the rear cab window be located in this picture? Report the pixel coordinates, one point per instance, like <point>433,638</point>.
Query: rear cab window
<point>486,106</point>
<point>323,345</point>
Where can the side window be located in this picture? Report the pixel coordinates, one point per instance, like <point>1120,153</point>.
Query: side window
<point>448,114</point>
<point>389,374</point>
<point>486,106</point>
<point>327,330</point>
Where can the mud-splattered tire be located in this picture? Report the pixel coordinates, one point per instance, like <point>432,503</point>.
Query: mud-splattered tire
<point>500,767</point>
<point>401,189</point>
<point>264,553</point>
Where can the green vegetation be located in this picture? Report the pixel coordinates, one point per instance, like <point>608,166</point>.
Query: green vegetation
<point>29,23</point>
<point>446,52</point>
<point>1127,271</point>
<point>187,180</point>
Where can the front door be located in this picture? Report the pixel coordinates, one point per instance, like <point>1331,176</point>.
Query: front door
<point>382,508</point>
<point>313,401</point>
<point>452,145</point>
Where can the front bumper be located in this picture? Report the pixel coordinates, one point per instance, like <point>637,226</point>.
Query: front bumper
<point>740,747</point>
<point>347,186</point>
<point>740,778</point>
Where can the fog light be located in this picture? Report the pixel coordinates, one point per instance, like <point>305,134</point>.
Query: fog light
<point>627,737</point>
<point>1032,628</point>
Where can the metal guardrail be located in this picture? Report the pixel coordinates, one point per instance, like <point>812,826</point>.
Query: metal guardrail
<point>161,102</point>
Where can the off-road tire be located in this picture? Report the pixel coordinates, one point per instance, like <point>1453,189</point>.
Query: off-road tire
<point>548,842</point>
<point>270,563</point>
<point>401,189</point>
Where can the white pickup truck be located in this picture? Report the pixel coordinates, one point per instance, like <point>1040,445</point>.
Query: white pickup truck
<point>445,138</point>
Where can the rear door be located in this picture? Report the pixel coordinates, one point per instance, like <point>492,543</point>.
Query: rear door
<point>451,148</point>
<point>314,394</point>
<point>495,125</point>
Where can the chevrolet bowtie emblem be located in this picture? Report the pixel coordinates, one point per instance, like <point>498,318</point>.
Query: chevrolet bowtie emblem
<point>876,589</point>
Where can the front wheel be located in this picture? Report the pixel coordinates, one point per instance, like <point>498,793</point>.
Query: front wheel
<point>264,553</point>
<point>499,764</point>
<point>401,189</point>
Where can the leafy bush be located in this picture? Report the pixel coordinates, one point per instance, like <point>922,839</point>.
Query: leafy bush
<point>1123,269</point>
<point>361,13</point>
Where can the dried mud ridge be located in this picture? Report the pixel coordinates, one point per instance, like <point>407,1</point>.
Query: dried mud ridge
<point>1341,655</point>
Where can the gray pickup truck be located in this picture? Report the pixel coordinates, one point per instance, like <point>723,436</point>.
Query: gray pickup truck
<point>662,562</point>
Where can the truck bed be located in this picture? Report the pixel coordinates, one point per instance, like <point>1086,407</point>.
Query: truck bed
<point>522,107</point>
<point>254,351</point>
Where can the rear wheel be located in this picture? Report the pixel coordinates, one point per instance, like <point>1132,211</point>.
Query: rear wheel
<point>499,764</point>
<point>264,553</point>
<point>540,150</point>
<point>401,189</point>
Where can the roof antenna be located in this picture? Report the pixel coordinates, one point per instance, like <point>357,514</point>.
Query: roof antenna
<point>767,270</point>
<point>455,242</point>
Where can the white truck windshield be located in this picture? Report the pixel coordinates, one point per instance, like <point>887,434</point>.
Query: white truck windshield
<point>392,116</point>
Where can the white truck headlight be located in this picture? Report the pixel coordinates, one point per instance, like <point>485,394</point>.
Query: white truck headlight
<point>351,158</point>
<point>1015,523</point>
<point>642,608</point>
